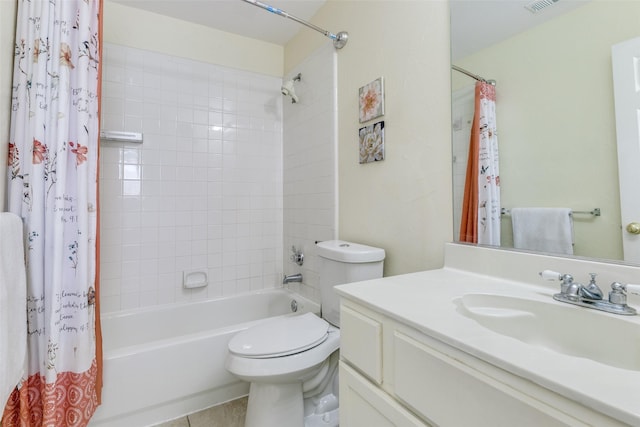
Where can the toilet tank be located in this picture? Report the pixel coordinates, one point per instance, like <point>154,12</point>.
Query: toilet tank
<point>344,262</point>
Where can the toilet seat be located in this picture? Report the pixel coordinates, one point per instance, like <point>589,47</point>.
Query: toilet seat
<point>280,337</point>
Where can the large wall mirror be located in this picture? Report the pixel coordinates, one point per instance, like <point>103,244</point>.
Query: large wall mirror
<point>555,108</point>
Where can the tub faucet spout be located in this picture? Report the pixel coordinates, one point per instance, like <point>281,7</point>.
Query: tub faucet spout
<point>292,278</point>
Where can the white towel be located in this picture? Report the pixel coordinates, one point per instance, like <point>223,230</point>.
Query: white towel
<point>13,305</point>
<point>543,229</point>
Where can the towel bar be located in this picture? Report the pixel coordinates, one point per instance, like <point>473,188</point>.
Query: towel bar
<point>594,212</point>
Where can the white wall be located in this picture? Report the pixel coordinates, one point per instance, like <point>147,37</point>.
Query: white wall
<point>202,192</point>
<point>402,204</point>
<point>7,35</point>
<point>310,198</point>
<point>145,30</point>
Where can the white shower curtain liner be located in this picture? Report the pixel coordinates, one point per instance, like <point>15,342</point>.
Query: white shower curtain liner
<point>488,167</point>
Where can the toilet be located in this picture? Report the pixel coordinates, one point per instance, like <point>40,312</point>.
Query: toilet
<point>292,361</point>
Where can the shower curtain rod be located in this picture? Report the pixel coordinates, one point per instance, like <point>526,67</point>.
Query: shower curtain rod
<point>473,76</point>
<point>339,40</point>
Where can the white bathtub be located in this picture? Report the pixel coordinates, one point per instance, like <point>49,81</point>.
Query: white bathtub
<point>164,362</point>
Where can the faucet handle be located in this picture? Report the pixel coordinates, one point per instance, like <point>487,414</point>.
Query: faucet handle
<point>566,279</point>
<point>551,275</point>
<point>554,275</point>
<point>297,256</point>
<point>632,289</point>
<point>617,294</point>
<point>567,287</point>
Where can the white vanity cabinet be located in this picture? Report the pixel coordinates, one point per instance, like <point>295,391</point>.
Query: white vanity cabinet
<point>363,400</point>
<point>392,374</point>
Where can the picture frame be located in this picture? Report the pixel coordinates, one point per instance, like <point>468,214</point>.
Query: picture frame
<point>371,143</point>
<point>371,100</point>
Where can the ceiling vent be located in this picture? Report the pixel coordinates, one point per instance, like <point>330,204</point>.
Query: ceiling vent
<point>537,5</point>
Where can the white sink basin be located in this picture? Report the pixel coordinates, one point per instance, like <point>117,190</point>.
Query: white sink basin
<point>574,331</point>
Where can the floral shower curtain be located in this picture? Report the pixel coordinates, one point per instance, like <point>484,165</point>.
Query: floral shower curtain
<point>481,205</point>
<point>53,152</point>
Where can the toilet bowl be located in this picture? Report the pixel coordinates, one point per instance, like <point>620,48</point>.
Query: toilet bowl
<point>287,360</point>
<point>292,361</point>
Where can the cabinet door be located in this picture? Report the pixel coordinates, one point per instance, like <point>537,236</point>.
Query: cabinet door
<point>451,393</point>
<point>364,405</point>
<point>361,343</point>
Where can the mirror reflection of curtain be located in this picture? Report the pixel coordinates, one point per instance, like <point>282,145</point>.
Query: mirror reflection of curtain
<point>462,105</point>
<point>52,186</point>
<point>480,221</point>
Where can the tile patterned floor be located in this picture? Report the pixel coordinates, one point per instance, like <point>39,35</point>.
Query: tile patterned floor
<point>230,414</point>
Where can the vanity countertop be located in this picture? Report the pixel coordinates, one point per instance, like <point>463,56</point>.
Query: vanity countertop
<point>426,301</point>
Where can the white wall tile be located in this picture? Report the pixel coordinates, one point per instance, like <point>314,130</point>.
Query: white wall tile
<point>308,155</point>
<point>205,189</point>
<point>164,204</point>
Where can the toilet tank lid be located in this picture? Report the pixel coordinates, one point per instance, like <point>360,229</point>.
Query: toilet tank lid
<point>339,250</point>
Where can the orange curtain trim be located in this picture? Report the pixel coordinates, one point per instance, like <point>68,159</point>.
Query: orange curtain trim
<point>469,218</point>
<point>99,361</point>
<point>70,401</point>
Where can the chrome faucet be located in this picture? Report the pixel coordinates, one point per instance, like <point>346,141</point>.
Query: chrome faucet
<point>591,290</point>
<point>297,256</point>
<point>292,278</point>
<point>590,295</point>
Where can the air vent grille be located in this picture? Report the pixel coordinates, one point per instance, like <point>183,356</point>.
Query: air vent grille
<point>537,5</point>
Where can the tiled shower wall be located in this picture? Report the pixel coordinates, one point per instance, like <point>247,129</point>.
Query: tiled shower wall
<point>203,191</point>
<point>310,145</point>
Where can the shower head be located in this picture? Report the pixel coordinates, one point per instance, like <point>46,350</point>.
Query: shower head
<point>287,89</point>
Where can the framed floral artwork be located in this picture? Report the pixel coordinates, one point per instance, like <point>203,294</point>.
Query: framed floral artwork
<point>372,143</point>
<point>371,100</point>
